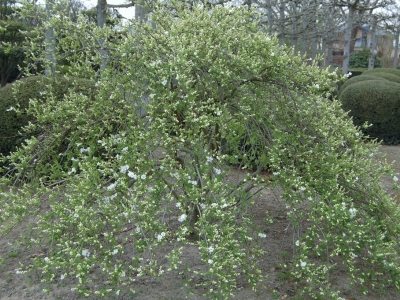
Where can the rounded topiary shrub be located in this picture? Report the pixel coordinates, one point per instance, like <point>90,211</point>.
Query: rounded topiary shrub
<point>382,70</point>
<point>16,97</point>
<point>387,76</point>
<point>376,102</point>
<point>355,79</point>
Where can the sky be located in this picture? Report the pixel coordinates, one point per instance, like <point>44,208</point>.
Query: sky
<point>128,13</point>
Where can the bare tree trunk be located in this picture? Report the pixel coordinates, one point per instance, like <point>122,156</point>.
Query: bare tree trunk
<point>372,46</point>
<point>101,21</point>
<point>269,16</point>
<point>348,35</point>
<point>396,48</point>
<point>281,22</point>
<point>50,45</point>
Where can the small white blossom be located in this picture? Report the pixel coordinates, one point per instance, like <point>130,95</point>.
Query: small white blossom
<point>161,167</point>
<point>217,171</point>
<point>10,108</point>
<point>178,204</point>
<point>132,175</point>
<point>164,82</point>
<point>309,198</point>
<point>211,249</point>
<point>62,276</point>
<point>82,150</point>
<point>275,173</point>
<point>46,259</point>
<point>395,179</point>
<point>353,255</point>
<point>143,176</point>
<point>209,159</point>
<point>125,149</point>
<point>303,264</point>
<point>357,133</point>
<point>317,86</point>
<point>193,182</point>
<point>297,243</point>
<point>112,186</point>
<point>76,215</point>
<point>85,253</point>
<point>353,212</point>
<point>151,96</point>
<point>73,170</point>
<point>115,251</point>
<point>302,189</point>
<point>210,261</point>
<point>123,169</point>
<point>262,235</point>
<point>117,292</point>
<point>182,218</point>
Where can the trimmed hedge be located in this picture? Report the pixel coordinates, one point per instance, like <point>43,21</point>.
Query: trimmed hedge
<point>386,76</point>
<point>376,102</point>
<point>11,123</point>
<point>382,70</point>
<point>358,79</point>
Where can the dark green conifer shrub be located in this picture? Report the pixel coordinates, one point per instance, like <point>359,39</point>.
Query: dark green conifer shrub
<point>376,102</point>
<point>360,59</point>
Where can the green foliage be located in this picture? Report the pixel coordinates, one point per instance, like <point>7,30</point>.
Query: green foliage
<point>358,79</point>
<point>382,70</point>
<point>376,102</point>
<point>143,171</point>
<point>360,59</point>
<point>387,76</point>
<point>14,103</point>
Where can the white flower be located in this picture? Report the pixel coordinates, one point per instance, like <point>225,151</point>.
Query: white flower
<point>275,173</point>
<point>161,167</point>
<point>211,249</point>
<point>117,293</point>
<point>18,272</point>
<point>353,212</point>
<point>115,251</point>
<point>123,169</point>
<point>112,186</point>
<point>297,243</point>
<point>214,205</point>
<point>262,235</point>
<point>309,198</point>
<point>303,264</point>
<point>194,182</point>
<point>210,261</point>
<point>62,276</point>
<point>357,133</point>
<point>164,82</point>
<point>302,189</point>
<point>395,179</point>
<point>182,218</point>
<point>209,159</point>
<point>76,215</point>
<point>73,170</point>
<point>85,253</point>
<point>10,108</point>
<point>353,255</point>
<point>82,150</point>
<point>160,236</point>
<point>178,204</point>
<point>132,175</point>
<point>46,259</point>
<point>217,171</point>
<point>125,149</point>
<point>317,86</point>
<point>143,176</point>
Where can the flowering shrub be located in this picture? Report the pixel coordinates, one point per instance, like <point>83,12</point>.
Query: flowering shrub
<point>143,167</point>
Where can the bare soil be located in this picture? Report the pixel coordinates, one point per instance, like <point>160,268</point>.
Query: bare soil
<point>278,245</point>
